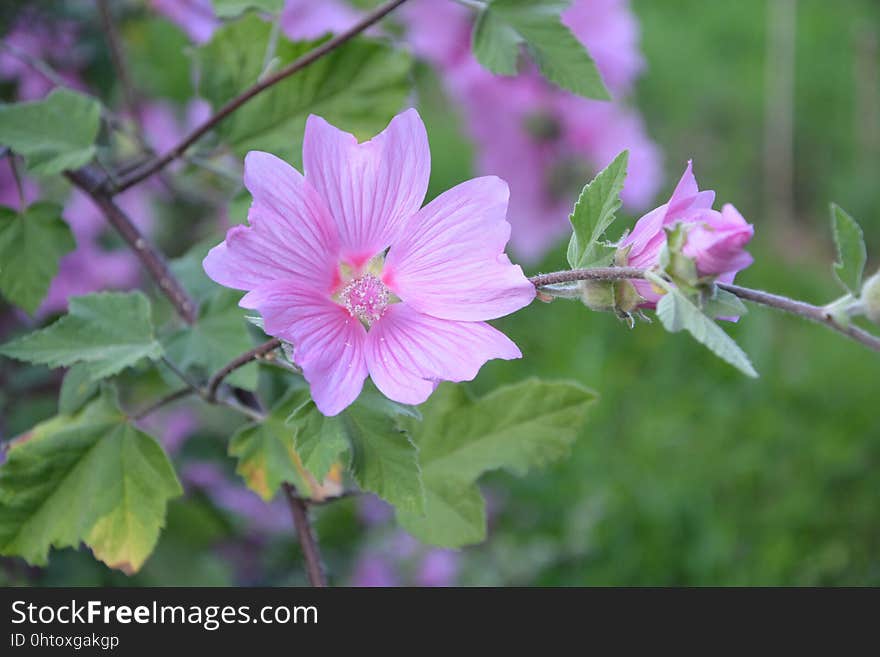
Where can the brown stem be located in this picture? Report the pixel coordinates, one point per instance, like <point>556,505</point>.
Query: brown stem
<point>170,398</point>
<point>157,164</point>
<point>89,181</point>
<point>300,512</point>
<point>593,274</point>
<point>802,309</point>
<point>792,306</point>
<point>240,361</point>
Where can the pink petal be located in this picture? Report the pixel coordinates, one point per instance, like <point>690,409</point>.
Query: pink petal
<point>291,234</point>
<point>328,343</point>
<point>449,261</point>
<point>687,196</point>
<point>370,188</point>
<point>408,353</point>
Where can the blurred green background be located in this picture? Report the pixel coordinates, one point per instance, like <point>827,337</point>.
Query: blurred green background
<point>686,472</point>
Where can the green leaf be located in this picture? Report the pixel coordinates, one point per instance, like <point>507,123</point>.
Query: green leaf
<point>266,451</point>
<point>851,253</point>
<point>156,50</point>
<point>516,427</point>
<point>76,389</point>
<point>108,330</point>
<point>320,441</point>
<point>188,269</point>
<point>88,477</point>
<point>233,8</point>
<point>495,43</point>
<point>53,134</point>
<point>594,213</point>
<point>455,515</point>
<point>384,458</point>
<point>677,312</point>
<point>219,335</point>
<point>560,57</point>
<point>31,244</point>
<point>724,304</point>
<point>359,86</point>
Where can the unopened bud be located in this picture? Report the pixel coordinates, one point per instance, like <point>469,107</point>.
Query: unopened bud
<point>870,299</point>
<point>598,295</point>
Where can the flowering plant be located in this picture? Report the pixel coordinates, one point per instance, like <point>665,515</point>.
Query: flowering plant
<point>327,331</point>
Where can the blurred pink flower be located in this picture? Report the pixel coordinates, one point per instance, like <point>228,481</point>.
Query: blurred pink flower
<point>51,42</point>
<point>715,240</point>
<point>372,570</point>
<point>438,32</point>
<point>610,32</point>
<point>314,263</point>
<point>164,125</point>
<point>307,19</point>
<point>545,142</point>
<point>171,427</point>
<point>195,17</point>
<point>91,267</point>
<point>228,493</point>
<point>438,568</point>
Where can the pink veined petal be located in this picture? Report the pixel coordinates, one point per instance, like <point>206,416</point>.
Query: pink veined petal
<point>687,196</point>
<point>328,343</point>
<point>408,352</point>
<point>449,260</point>
<point>291,233</point>
<point>371,188</point>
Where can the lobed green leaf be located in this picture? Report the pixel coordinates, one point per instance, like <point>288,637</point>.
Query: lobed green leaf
<point>31,244</point>
<point>593,215</point>
<point>107,331</point>
<point>53,134</point>
<point>90,477</point>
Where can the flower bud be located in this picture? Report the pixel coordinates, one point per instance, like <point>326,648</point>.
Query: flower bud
<point>870,299</point>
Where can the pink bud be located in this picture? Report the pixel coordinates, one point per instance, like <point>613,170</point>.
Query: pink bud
<point>716,241</point>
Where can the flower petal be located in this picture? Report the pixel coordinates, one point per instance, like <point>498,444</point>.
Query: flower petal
<point>449,261</point>
<point>408,352</point>
<point>370,188</point>
<point>291,233</point>
<point>687,196</point>
<point>328,343</point>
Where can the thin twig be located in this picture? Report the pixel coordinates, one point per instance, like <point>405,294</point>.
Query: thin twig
<point>157,164</point>
<point>117,57</point>
<point>792,306</point>
<point>593,274</point>
<point>240,361</point>
<point>34,63</point>
<point>806,310</point>
<point>90,182</point>
<point>164,401</point>
<point>300,512</point>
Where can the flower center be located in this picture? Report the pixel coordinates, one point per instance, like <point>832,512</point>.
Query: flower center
<point>366,298</point>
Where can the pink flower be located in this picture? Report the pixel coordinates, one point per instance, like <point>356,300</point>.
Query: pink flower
<point>307,19</point>
<point>344,264</point>
<point>545,142</point>
<point>195,17</point>
<point>715,240</point>
<point>53,42</point>
<point>439,568</point>
<point>439,32</point>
